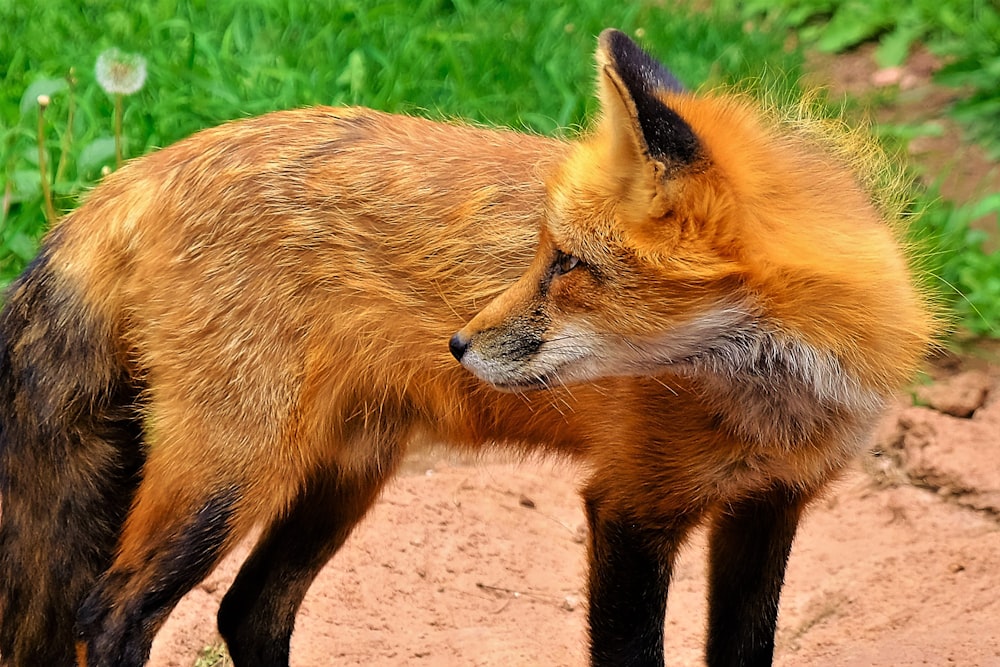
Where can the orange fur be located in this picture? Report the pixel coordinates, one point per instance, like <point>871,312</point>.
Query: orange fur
<point>282,290</point>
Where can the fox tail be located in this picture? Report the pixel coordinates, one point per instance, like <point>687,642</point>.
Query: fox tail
<point>70,460</point>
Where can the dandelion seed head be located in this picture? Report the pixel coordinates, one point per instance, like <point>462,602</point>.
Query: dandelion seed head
<point>120,73</point>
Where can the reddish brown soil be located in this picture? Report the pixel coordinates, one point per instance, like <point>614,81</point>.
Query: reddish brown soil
<point>484,564</point>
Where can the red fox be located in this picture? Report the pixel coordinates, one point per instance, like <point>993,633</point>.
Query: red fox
<point>250,328</point>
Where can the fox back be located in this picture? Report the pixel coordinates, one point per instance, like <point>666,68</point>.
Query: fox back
<point>251,327</point>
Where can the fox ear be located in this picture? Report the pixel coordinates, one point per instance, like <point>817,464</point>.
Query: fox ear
<point>629,81</point>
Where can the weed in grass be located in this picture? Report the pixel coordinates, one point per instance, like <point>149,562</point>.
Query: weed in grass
<point>43,163</point>
<point>214,655</point>
<point>120,74</point>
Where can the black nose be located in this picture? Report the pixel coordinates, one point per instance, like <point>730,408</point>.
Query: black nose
<point>458,345</point>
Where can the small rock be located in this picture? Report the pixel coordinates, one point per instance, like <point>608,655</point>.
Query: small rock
<point>209,586</point>
<point>525,501</point>
<point>887,76</point>
<point>571,602</point>
<point>959,396</point>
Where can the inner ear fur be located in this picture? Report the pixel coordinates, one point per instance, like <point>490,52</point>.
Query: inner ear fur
<point>644,144</point>
<point>640,124</point>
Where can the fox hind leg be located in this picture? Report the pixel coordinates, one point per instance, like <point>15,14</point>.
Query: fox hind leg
<point>750,542</point>
<point>171,547</point>
<point>257,615</point>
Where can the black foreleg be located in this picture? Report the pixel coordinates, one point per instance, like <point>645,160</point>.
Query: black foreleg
<point>750,543</point>
<point>630,567</point>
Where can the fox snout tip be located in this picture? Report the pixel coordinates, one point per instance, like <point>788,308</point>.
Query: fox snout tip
<point>458,344</point>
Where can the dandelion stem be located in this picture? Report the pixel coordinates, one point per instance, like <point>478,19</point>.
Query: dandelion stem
<point>5,206</point>
<point>118,129</point>
<point>43,166</point>
<point>8,190</point>
<point>120,74</point>
<point>67,139</point>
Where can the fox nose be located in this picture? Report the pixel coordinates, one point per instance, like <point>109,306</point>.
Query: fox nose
<point>458,345</point>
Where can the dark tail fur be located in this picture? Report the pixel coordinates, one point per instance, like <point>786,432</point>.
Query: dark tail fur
<point>70,460</point>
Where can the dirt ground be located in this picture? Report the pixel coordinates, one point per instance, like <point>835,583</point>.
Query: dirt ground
<point>483,564</point>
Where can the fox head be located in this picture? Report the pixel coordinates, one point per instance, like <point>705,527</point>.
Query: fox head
<point>697,234</point>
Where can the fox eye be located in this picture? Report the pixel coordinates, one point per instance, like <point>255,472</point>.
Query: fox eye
<point>564,262</point>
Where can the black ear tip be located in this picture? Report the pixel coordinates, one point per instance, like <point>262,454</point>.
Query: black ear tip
<point>666,135</point>
<point>620,46</point>
<point>612,38</point>
<point>626,55</point>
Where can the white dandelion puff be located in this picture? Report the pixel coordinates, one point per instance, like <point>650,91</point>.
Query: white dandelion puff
<point>120,73</point>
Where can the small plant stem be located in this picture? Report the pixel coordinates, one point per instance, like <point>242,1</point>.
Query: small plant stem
<point>118,129</point>
<point>67,139</point>
<point>5,207</point>
<point>8,190</point>
<point>43,166</point>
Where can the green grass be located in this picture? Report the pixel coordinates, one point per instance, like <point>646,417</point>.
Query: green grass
<point>961,268</point>
<point>522,63</point>
<point>965,33</point>
<point>214,655</point>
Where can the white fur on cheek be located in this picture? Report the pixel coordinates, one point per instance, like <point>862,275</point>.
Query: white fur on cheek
<point>771,374</point>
